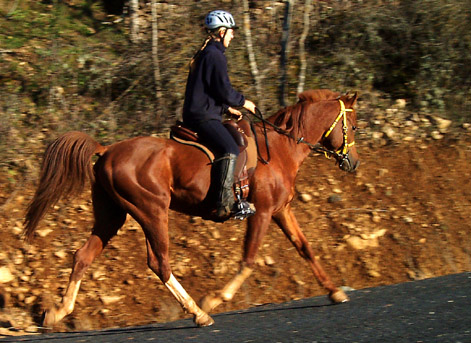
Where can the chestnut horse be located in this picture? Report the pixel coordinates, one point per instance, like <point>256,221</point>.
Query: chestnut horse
<point>147,176</point>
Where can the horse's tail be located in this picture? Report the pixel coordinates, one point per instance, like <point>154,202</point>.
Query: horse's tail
<point>65,169</point>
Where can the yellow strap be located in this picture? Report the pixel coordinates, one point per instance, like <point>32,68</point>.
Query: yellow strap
<point>343,115</point>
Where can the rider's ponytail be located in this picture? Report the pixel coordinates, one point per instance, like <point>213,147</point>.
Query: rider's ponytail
<point>213,34</point>
<point>195,57</point>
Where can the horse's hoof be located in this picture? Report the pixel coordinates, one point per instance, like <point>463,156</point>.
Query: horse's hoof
<point>339,297</point>
<point>48,319</point>
<point>203,320</point>
<point>210,302</point>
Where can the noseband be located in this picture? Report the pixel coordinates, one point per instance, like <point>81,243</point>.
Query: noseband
<point>341,154</point>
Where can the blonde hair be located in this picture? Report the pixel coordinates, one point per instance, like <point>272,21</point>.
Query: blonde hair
<point>212,34</point>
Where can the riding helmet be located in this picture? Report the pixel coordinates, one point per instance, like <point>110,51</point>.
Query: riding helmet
<point>218,18</point>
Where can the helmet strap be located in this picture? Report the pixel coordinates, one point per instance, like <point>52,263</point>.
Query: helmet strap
<point>224,36</point>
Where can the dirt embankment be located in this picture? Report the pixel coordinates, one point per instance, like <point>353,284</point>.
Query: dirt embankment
<point>404,215</point>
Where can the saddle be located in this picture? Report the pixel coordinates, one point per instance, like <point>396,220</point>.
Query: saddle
<point>246,161</point>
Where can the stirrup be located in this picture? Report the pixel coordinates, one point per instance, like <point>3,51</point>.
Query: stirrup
<point>243,209</point>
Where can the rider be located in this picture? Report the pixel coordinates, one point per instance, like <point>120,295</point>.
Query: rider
<point>209,94</point>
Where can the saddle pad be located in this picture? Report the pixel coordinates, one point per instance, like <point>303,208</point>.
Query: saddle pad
<point>196,145</point>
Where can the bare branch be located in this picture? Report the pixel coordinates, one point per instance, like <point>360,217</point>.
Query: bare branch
<point>302,50</point>
<point>285,48</point>
<point>250,51</point>
<point>155,60</point>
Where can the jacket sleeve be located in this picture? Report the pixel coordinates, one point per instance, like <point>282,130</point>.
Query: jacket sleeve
<point>220,84</point>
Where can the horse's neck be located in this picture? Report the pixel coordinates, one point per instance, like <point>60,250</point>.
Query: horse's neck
<point>293,153</point>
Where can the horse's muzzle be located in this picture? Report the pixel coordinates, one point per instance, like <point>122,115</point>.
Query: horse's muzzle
<point>346,163</point>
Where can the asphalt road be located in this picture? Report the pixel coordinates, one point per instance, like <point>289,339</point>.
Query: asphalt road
<point>432,310</point>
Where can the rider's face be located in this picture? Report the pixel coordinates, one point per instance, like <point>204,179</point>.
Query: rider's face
<point>227,37</point>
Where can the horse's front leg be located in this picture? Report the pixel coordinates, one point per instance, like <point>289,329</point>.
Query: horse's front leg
<point>256,228</point>
<point>288,223</point>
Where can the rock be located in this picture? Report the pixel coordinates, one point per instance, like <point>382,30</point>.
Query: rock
<point>401,103</point>
<point>371,188</point>
<point>377,135</point>
<point>269,261</point>
<point>372,242</point>
<point>259,261</point>
<point>195,220</point>
<point>411,274</point>
<point>389,132</point>
<point>216,234</point>
<point>380,233</point>
<point>6,275</point>
<point>44,232</point>
<point>17,230</point>
<point>129,282</point>
<point>30,300</point>
<point>347,288</point>
<point>382,172</point>
<point>60,254</point>
<point>68,221</point>
<point>356,243</point>
<point>110,299</point>
<point>334,198</point>
<point>81,208</point>
<point>375,218</point>
<point>304,197</point>
<point>436,135</point>
<point>98,275</point>
<point>440,123</point>
<point>373,273</point>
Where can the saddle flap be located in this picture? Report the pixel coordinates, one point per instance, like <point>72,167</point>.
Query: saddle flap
<point>236,132</point>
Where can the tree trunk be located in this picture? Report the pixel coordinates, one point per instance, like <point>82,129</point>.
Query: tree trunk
<point>250,52</point>
<point>160,108</point>
<point>134,18</point>
<point>285,48</point>
<point>302,50</point>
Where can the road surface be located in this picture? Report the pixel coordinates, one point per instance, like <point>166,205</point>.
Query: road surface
<point>432,310</point>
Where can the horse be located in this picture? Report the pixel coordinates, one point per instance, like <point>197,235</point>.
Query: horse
<point>146,177</point>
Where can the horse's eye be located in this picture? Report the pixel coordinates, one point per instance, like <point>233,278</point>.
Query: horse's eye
<point>354,128</point>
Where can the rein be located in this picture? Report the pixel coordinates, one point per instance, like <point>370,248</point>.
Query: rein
<point>341,154</point>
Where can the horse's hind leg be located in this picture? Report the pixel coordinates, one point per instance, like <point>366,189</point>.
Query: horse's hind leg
<point>160,266</point>
<point>153,218</point>
<point>108,219</point>
<point>288,223</point>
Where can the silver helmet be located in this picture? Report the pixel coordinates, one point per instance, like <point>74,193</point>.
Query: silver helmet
<point>217,19</point>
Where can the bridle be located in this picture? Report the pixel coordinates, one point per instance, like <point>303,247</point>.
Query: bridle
<point>341,154</point>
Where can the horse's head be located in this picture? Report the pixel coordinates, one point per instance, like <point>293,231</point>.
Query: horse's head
<point>340,137</point>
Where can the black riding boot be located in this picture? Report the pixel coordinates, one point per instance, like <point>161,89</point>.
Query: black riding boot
<point>223,171</point>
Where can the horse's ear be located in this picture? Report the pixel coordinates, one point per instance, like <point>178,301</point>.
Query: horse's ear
<point>352,99</point>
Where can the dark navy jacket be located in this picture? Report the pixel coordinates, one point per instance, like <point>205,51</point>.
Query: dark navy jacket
<point>208,90</point>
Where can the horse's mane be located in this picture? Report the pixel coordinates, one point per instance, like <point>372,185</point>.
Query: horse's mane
<point>316,95</point>
<point>290,118</point>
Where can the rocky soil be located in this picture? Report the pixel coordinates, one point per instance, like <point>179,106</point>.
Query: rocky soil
<point>405,215</point>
